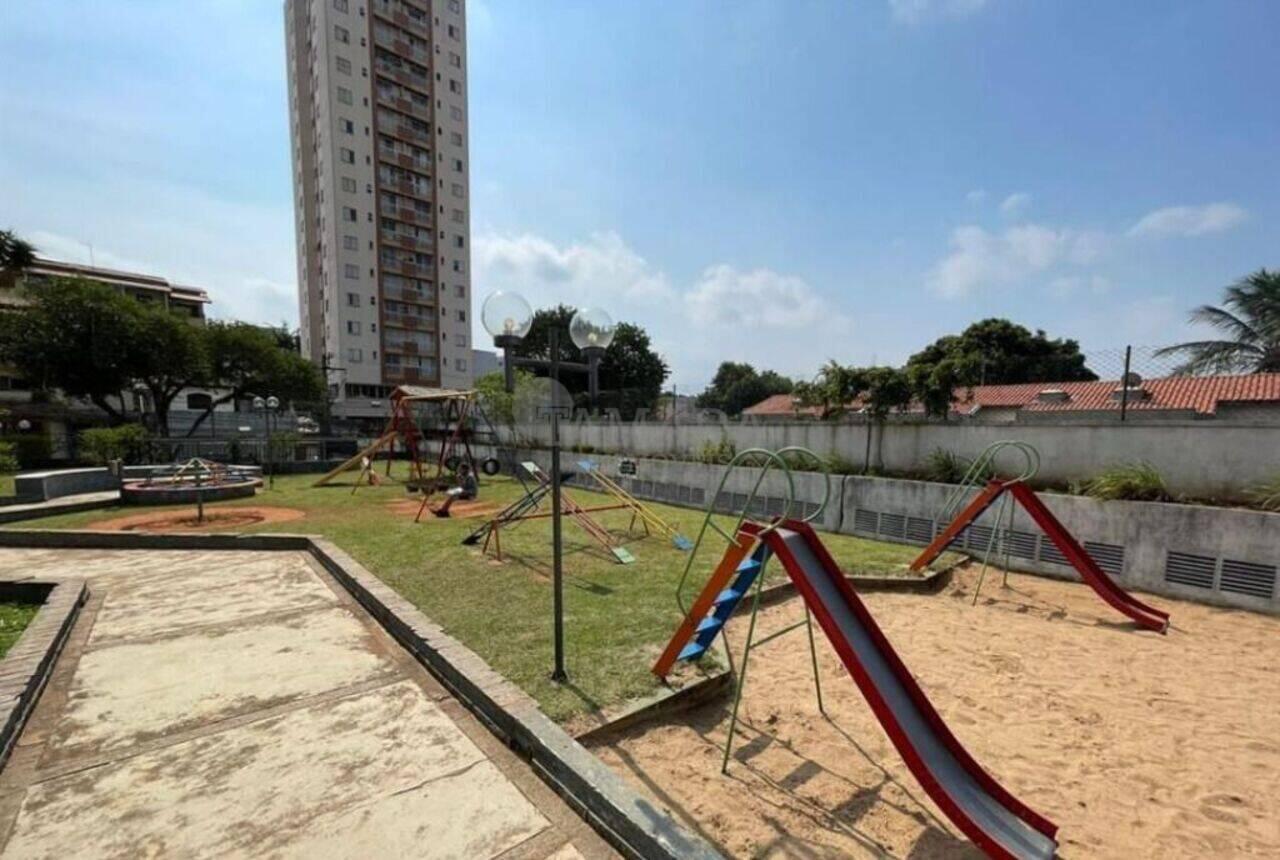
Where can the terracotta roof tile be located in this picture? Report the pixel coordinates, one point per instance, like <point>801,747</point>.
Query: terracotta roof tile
<point>1199,394</point>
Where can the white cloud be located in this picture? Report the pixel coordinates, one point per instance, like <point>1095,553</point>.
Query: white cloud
<point>981,258</point>
<point>600,268</point>
<point>1016,203</point>
<point>1070,286</point>
<point>760,298</point>
<point>1189,220</point>
<point>914,11</point>
<point>758,315</point>
<point>976,196</point>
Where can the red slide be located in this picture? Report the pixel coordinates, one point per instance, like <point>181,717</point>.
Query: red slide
<point>1094,576</point>
<point>983,810</point>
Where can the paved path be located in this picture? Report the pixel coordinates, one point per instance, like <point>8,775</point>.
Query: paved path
<point>238,704</point>
<point>60,505</point>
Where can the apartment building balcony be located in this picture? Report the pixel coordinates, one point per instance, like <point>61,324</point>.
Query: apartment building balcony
<point>413,322</point>
<point>404,240</point>
<point>412,216</point>
<point>406,133</point>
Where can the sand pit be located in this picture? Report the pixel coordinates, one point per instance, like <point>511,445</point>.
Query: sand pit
<point>1136,745</point>
<point>215,519</point>
<point>459,510</point>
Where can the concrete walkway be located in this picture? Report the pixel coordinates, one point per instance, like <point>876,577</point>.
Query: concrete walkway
<point>61,505</point>
<point>238,704</point>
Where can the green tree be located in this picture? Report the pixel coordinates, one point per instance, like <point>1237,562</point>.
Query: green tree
<point>999,352</point>
<point>16,255</point>
<point>168,354</point>
<point>833,390</point>
<point>244,360</point>
<point>737,385</point>
<point>631,373</point>
<point>1250,320</point>
<point>76,336</point>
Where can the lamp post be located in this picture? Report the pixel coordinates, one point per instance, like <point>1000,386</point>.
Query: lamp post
<point>268,408</point>
<point>508,317</point>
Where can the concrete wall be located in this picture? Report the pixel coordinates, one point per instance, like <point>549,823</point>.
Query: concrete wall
<point>56,483</point>
<point>1209,458</point>
<point>1221,556</point>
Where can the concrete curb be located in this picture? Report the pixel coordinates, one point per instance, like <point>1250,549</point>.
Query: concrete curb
<point>26,669</point>
<point>664,703</point>
<point>52,509</point>
<point>633,825</point>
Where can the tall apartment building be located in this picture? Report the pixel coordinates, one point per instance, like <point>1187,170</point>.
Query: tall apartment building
<point>378,112</point>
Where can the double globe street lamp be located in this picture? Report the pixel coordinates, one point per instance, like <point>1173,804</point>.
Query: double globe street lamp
<point>508,318</point>
<point>268,408</point>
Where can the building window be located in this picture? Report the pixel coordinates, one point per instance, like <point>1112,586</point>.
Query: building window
<point>348,184</point>
<point>455,138</point>
<point>462,316</point>
<point>344,95</point>
<point>352,271</point>
<point>355,355</point>
<point>353,300</point>
<point>343,65</point>
<point>350,243</point>
<point>342,34</point>
<point>455,60</point>
<point>458,190</point>
<point>460,291</point>
<point>461,363</point>
<point>459,242</point>
<point>347,126</point>
<point>340,5</point>
<point>455,6</point>
<point>346,156</point>
<point>453,32</point>
<point>455,112</point>
<point>353,326</point>
<point>459,217</point>
<point>348,214</point>
<point>454,86</point>
<point>460,340</point>
<point>457,164</point>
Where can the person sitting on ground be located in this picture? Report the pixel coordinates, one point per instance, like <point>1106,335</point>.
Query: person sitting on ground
<point>468,487</point>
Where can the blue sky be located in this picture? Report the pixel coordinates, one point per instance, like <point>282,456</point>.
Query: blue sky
<point>777,182</point>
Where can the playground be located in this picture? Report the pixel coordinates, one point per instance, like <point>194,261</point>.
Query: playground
<point>1134,744</point>
<point>1005,714</point>
<point>620,615</point>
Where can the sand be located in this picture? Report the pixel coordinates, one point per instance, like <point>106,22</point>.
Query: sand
<point>185,520</point>
<point>1135,744</point>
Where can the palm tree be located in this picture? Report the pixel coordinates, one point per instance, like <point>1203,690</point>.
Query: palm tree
<point>15,255</point>
<point>1250,319</point>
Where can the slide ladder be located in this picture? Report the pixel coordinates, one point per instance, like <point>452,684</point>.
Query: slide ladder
<point>639,510</point>
<point>980,807</point>
<point>1145,616</point>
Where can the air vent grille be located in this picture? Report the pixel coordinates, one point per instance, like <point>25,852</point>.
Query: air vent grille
<point>919,529</point>
<point>1183,568</point>
<point>1246,577</point>
<point>1107,556</point>
<point>893,525</point>
<point>865,521</point>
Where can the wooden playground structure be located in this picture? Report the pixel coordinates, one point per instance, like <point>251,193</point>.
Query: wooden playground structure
<point>456,410</point>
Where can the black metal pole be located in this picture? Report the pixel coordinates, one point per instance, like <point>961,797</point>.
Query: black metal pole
<point>1124,383</point>
<point>557,572</point>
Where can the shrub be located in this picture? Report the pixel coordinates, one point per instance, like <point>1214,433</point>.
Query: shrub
<point>128,442</point>
<point>30,449</point>
<point>948,467</point>
<point>8,458</point>
<point>1137,481</point>
<point>1265,495</point>
<point>717,453</point>
<point>839,464</point>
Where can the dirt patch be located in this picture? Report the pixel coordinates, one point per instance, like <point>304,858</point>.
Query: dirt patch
<point>459,510</point>
<point>1135,744</point>
<point>187,520</point>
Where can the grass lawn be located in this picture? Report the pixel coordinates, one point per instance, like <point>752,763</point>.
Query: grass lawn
<point>6,486</point>
<point>14,618</point>
<point>617,617</point>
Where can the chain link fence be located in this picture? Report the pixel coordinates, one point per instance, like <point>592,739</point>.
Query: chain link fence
<point>1147,362</point>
